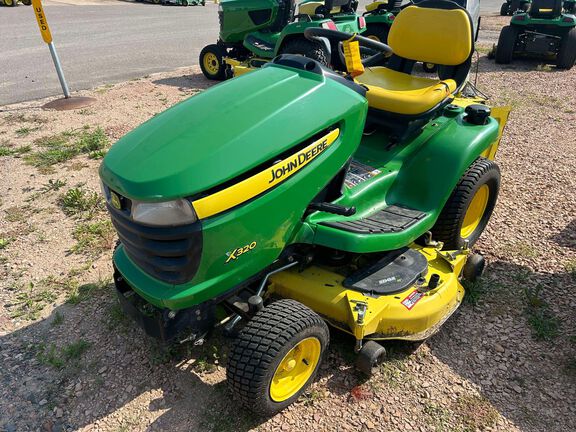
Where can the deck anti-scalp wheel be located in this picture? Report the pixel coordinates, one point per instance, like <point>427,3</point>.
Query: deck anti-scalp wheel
<point>370,357</point>
<point>276,356</point>
<point>468,210</point>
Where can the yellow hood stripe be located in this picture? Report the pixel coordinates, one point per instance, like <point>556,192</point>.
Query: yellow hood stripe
<point>264,180</point>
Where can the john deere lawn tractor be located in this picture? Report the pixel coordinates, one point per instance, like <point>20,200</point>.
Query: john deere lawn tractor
<point>294,197</point>
<point>12,3</point>
<point>545,31</point>
<point>253,32</point>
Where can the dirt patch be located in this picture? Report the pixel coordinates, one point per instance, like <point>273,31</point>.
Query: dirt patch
<point>71,361</point>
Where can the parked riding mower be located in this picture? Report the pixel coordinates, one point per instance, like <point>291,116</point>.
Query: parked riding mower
<point>379,17</point>
<point>12,3</point>
<point>510,7</point>
<point>311,198</point>
<point>545,32</point>
<point>253,32</point>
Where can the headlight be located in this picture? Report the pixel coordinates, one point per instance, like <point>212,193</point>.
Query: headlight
<point>178,212</point>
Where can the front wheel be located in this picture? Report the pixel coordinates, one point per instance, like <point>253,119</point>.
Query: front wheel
<point>314,50</point>
<point>506,45</point>
<point>468,210</point>
<point>567,53</point>
<point>377,32</point>
<point>276,356</point>
<point>212,63</point>
<point>26,2</point>
<point>10,3</point>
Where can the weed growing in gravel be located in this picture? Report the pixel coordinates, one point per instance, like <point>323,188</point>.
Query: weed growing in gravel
<point>30,302</point>
<point>23,118</point>
<point>439,417</point>
<point>544,68</point>
<point>7,149</point>
<point>4,242</point>
<point>476,412</point>
<point>570,268</point>
<point>60,357</point>
<point>81,203</point>
<point>57,320</point>
<point>93,238</point>
<point>522,250</point>
<point>86,291</point>
<point>52,185</point>
<point>545,326</point>
<point>25,131</point>
<point>65,145</point>
<point>117,319</point>
<point>19,213</point>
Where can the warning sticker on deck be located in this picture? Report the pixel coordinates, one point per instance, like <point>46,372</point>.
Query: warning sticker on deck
<point>413,298</point>
<point>358,173</point>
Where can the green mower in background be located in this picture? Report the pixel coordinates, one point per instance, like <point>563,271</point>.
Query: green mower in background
<point>12,3</point>
<point>546,31</point>
<point>510,7</point>
<point>253,32</point>
<point>293,197</point>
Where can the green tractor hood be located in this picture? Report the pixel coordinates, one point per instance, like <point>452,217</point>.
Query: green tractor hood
<point>225,131</point>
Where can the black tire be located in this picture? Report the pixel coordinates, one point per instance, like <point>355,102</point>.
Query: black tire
<point>310,49</point>
<point>184,2</point>
<point>26,2</point>
<point>449,227</point>
<point>474,267</point>
<point>506,45</point>
<point>430,67</point>
<point>10,3</point>
<point>370,357</point>
<point>211,63</point>
<point>504,9</point>
<point>567,53</point>
<point>261,347</point>
<point>378,32</point>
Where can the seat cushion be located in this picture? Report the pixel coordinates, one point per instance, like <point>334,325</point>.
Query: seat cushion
<point>401,93</point>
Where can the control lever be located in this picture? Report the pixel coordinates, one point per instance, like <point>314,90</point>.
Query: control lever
<point>333,208</point>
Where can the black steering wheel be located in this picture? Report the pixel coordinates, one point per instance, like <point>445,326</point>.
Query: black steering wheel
<point>382,50</point>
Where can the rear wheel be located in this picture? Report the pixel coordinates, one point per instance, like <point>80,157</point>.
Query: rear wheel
<point>27,2</point>
<point>310,49</point>
<point>506,44</point>
<point>212,64</point>
<point>567,53</point>
<point>377,32</point>
<point>468,210</point>
<point>504,9</point>
<point>276,356</point>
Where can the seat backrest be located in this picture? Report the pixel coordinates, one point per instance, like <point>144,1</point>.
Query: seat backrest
<point>434,31</point>
<point>285,14</point>
<point>546,8</point>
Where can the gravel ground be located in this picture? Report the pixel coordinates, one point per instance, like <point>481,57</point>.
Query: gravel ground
<point>506,361</point>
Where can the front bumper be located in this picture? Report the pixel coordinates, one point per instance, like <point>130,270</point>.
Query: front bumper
<point>161,323</point>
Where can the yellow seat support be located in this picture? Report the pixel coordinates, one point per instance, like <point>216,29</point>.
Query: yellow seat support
<point>374,5</point>
<point>309,8</point>
<point>401,93</point>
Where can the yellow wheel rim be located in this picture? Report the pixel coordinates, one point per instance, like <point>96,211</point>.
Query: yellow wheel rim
<point>295,369</point>
<point>8,2</point>
<point>211,63</point>
<point>475,211</point>
<point>376,38</point>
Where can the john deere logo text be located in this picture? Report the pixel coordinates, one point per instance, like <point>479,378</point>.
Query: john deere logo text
<point>239,251</point>
<point>297,160</point>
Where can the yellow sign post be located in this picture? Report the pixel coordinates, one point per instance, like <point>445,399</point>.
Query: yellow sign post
<point>67,102</point>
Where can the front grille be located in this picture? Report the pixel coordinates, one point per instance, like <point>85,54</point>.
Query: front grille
<point>171,254</point>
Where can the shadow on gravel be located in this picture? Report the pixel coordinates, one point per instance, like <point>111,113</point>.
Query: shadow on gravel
<point>87,363</point>
<point>187,82</point>
<point>566,237</point>
<point>515,338</point>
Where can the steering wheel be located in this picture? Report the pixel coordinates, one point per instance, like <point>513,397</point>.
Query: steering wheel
<point>382,50</point>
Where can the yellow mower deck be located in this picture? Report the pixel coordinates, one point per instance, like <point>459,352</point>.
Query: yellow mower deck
<point>414,314</point>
